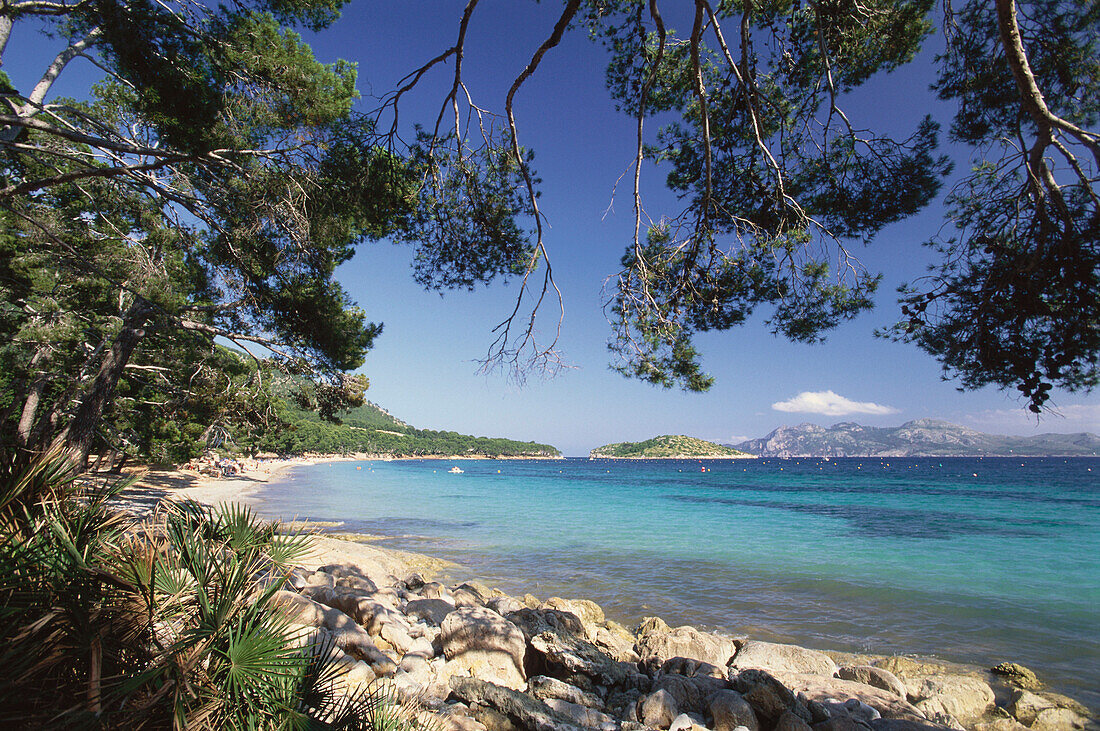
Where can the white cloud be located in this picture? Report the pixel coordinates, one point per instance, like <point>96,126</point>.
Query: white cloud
<point>829,403</point>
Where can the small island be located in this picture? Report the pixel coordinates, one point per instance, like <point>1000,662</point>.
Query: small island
<point>669,446</point>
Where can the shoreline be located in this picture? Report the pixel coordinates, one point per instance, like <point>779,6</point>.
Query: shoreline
<point>386,565</point>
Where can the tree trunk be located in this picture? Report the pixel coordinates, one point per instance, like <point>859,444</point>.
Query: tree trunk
<point>77,438</point>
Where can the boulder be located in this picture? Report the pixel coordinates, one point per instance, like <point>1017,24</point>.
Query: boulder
<point>768,697</point>
<point>836,690</point>
<point>691,694</point>
<point>1025,706</point>
<point>546,688</point>
<point>524,710</point>
<point>908,667</point>
<point>658,709</point>
<point>1059,719</point>
<point>1018,675</point>
<point>730,710</point>
<point>481,641</point>
<point>504,605</point>
<point>904,724</point>
<point>398,637</point>
<point>963,697</point>
<point>875,677</point>
<point>656,645</point>
<point>790,722</point>
<point>775,657</point>
<point>470,595</point>
<point>617,641</point>
<point>589,613</point>
<point>999,724</point>
<point>435,590</point>
<point>359,583</point>
<point>579,714</point>
<point>692,668</point>
<point>841,723</point>
<point>348,636</point>
<point>536,621</point>
<point>853,707</point>
<point>431,611</point>
<point>685,722</point>
<point>566,654</point>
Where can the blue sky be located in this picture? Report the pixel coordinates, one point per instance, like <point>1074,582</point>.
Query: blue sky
<point>423,368</point>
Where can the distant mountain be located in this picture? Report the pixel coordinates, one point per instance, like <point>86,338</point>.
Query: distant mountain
<point>920,438</point>
<point>667,447</point>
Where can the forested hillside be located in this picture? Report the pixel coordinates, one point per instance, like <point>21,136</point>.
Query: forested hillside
<point>370,428</point>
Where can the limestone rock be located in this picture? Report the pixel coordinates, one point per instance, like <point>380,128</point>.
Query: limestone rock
<point>790,722</point>
<point>691,668</point>
<point>617,641</point>
<point>820,689</point>
<point>536,621</point>
<point>730,710</point>
<point>684,722</point>
<point>435,590</point>
<point>841,723</point>
<point>430,610</point>
<point>589,613</point>
<point>359,583</point>
<point>658,709</point>
<point>904,724</point>
<point>349,636</point>
<point>962,697</point>
<point>579,714</point>
<point>1018,675</point>
<point>999,724</point>
<point>775,657</point>
<point>504,605</point>
<point>853,707</point>
<point>524,710</point>
<point>691,694</point>
<point>768,697</point>
<point>1059,719</point>
<point>489,646</point>
<point>546,688</point>
<point>656,645</point>
<point>568,654</point>
<point>1025,706</point>
<point>876,677</point>
<point>908,667</point>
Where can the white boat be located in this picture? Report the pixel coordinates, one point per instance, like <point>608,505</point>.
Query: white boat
<point>455,470</point>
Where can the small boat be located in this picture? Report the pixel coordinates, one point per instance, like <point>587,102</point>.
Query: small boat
<point>455,470</point>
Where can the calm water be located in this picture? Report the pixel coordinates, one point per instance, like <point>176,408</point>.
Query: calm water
<point>970,560</point>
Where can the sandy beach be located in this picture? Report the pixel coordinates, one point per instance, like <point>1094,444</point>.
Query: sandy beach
<point>155,485</point>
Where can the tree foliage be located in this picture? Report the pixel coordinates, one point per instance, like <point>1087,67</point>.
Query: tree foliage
<point>1015,301</point>
<point>208,187</point>
<point>780,183</point>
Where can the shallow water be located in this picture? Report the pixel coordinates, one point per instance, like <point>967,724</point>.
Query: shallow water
<point>969,560</point>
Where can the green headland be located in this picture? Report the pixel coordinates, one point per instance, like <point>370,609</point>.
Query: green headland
<point>669,446</point>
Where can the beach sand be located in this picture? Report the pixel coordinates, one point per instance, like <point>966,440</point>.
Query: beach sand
<point>156,485</point>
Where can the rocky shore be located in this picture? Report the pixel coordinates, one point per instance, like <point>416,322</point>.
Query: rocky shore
<point>476,658</point>
<point>484,660</point>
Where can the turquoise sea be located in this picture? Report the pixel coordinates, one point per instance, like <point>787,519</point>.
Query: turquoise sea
<point>968,560</point>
